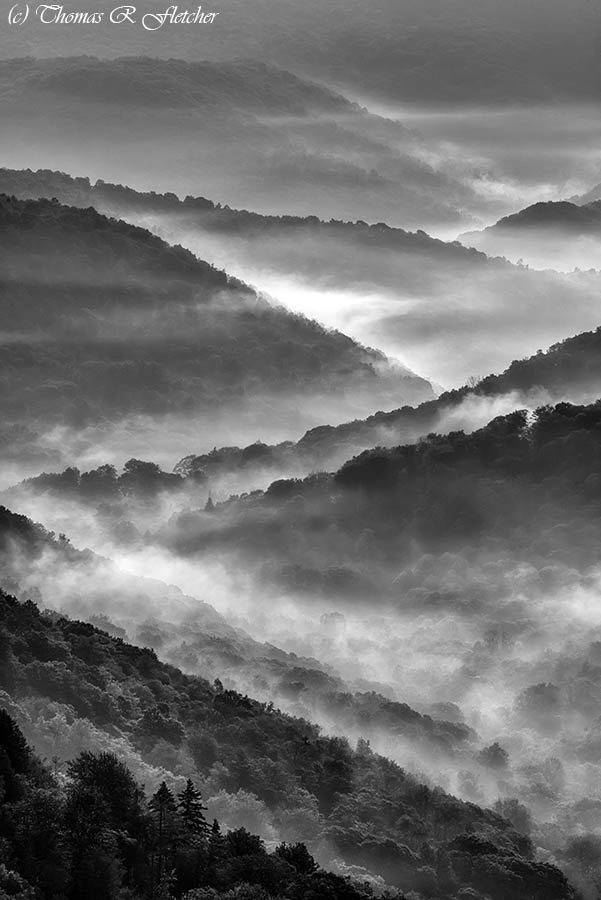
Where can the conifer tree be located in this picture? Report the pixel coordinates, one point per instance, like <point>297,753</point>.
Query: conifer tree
<point>216,849</point>
<point>191,811</point>
<point>164,812</point>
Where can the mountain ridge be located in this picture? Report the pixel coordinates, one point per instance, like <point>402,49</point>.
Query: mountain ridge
<point>71,646</point>
<point>200,337</point>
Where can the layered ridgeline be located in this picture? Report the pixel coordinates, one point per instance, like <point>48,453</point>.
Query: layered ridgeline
<point>188,632</point>
<point>251,133</point>
<point>473,53</point>
<point>253,763</point>
<point>104,323</point>
<point>307,245</point>
<point>532,475</point>
<point>546,235</point>
<point>459,574</point>
<point>590,196</point>
<point>431,303</point>
<point>466,567</point>
<point>570,370</point>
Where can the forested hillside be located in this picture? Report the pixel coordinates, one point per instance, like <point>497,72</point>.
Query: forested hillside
<point>480,554</point>
<point>562,215</point>
<point>521,469</point>
<point>104,321</point>
<point>144,81</point>
<point>207,215</point>
<point>475,53</point>
<point>357,804</point>
<point>570,369</point>
<point>300,450</point>
<point>544,233</point>
<point>251,131</point>
<point>191,634</point>
<point>93,832</point>
<point>379,283</point>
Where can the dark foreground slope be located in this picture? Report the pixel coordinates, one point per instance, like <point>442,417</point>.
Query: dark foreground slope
<point>189,633</point>
<point>97,834</point>
<point>366,808</point>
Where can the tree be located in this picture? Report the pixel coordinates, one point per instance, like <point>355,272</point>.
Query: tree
<point>241,842</point>
<point>139,477</point>
<point>298,857</point>
<point>192,811</point>
<point>516,813</point>
<point>100,482</point>
<point>164,816</point>
<point>105,783</point>
<point>216,851</point>
<point>15,758</point>
<point>13,887</point>
<point>494,757</point>
<point>40,841</point>
<point>95,869</point>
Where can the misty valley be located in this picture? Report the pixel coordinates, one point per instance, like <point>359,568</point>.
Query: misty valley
<point>300,454</point>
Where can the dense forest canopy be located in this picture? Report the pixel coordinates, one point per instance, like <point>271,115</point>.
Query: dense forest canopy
<point>104,321</point>
<point>122,201</point>
<point>545,232</point>
<point>381,284</point>
<point>521,469</point>
<point>423,840</point>
<point>563,215</point>
<point>485,573</point>
<point>296,601</point>
<point>197,638</point>
<point>570,369</point>
<point>241,127</point>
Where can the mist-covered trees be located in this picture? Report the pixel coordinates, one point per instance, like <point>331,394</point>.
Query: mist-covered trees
<point>569,368</point>
<point>362,807</point>
<point>515,484</point>
<point>96,834</point>
<point>121,323</point>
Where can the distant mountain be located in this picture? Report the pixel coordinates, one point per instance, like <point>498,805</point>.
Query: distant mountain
<point>249,132</point>
<point>102,320</point>
<point>417,297</point>
<point>142,82</point>
<point>430,512</point>
<point>569,370</point>
<point>331,254</point>
<point>591,196</point>
<point>406,51</point>
<point>167,212</point>
<point>545,235</point>
<point>562,215</point>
